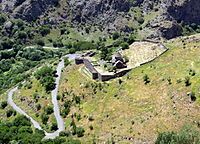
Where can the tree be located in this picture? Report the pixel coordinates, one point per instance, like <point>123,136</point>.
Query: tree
<point>21,121</point>
<point>2,19</point>
<point>115,35</point>
<point>22,35</point>
<point>49,110</point>
<point>54,127</point>
<point>44,118</point>
<point>7,43</point>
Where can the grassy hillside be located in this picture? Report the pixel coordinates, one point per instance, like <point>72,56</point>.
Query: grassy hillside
<point>131,111</point>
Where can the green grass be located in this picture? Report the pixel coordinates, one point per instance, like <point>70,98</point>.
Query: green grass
<point>136,110</point>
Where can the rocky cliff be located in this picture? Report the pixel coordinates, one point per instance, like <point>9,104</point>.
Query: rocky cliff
<point>109,14</point>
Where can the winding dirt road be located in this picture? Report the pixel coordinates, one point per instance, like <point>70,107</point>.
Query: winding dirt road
<point>59,119</point>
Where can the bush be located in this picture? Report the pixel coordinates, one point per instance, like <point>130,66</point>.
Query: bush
<point>2,19</point>
<point>192,72</point>
<point>84,45</point>
<point>115,35</point>
<point>140,20</point>
<point>4,104</point>
<point>67,62</point>
<point>21,121</point>
<point>44,118</point>
<point>187,81</point>
<point>6,43</point>
<point>46,77</point>
<point>49,110</point>
<point>146,79</point>
<point>44,30</point>
<point>38,107</point>
<point>124,45</point>
<point>187,135</point>
<point>131,39</point>
<point>22,35</point>
<point>62,31</point>
<point>80,131</point>
<point>9,113</point>
<point>54,127</point>
<point>58,43</point>
<point>40,42</point>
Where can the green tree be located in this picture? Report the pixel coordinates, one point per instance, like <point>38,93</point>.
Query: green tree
<point>44,118</point>
<point>49,110</point>
<point>115,35</point>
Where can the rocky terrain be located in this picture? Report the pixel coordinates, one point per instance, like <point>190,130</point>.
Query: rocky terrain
<point>109,14</point>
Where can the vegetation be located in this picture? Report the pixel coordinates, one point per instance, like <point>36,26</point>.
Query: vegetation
<point>20,131</point>
<point>46,76</point>
<point>186,135</point>
<point>139,109</point>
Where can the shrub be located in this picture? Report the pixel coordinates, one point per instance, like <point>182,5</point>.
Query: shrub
<point>46,77</point>
<point>40,42</point>
<point>6,43</point>
<point>140,20</point>
<point>131,39</point>
<point>192,72</point>
<point>9,113</point>
<point>84,45</point>
<point>169,81</point>
<point>49,110</point>
<point>44,118</point>
<point>54,127</point>
<point>67,62</point>
<point>187,81</point>
<point>187,135</point>
<point>2,19</point>
<point>22,35</point>
<point>80,131</point>
<point>38,107</point>
<point>62,31</point>
<point>115,35</point>
<point>44,30</point>
<point>124,45</point>
<point>146,79</point>
<point>4,104</point>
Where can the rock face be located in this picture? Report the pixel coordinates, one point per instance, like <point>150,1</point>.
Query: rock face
<point>28,10</point>
<point>187,11</point>
<point>93,9</point>
<point>108,14</point>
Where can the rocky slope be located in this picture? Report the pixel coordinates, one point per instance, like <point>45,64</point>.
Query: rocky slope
<point>109,14</point>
